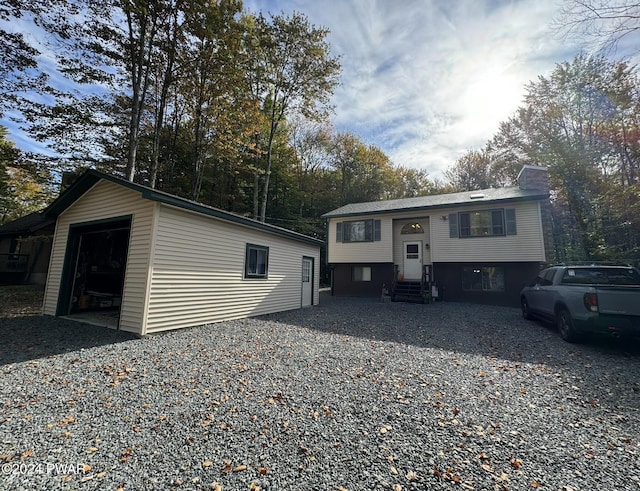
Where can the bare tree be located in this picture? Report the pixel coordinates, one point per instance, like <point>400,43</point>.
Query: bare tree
<point>604,24</point>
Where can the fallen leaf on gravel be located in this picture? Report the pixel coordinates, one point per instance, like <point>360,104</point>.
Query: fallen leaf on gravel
<point>397,487</point>
<point>504,476</point>
<point>535,484</point>
<point>516,463</point>
<point>207,463</point>
<point>86,468</point>
<point>92,450</point>
<point>226,467</point>
<point>215,486</point>
<point>482,374</point>
<point>126,455</point>
<point>26,454</point>
<point>239,468</point>
<point>101,474</point>
<point>263,471</point>
<point>66,421</point>
<point>487,467</point>
<point>411,476</point>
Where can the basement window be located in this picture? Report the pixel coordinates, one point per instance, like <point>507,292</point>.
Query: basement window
<point>484,279</point>
<point>361,273</point>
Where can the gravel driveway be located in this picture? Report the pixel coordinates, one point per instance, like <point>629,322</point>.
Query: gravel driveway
<point>349,395</point>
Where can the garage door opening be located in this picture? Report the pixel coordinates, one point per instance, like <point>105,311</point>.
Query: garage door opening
<point>93,277</point>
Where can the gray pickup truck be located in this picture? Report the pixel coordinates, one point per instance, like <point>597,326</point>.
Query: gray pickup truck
<point>585,299</point>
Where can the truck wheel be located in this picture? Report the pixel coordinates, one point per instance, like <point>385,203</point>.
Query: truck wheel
<point>526,314</point>
<point>564,322</point>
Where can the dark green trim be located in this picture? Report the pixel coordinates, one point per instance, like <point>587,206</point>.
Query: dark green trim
<point>99,224</point>
<point>66,280</point>
<point>435,208</point>
<point>91,177</point>
<point>68,266</point>
<point>247,275</point>
<point>313,278</point>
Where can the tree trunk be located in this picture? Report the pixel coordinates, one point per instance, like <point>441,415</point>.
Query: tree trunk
<point>256,193</point>
<point>265,189</point>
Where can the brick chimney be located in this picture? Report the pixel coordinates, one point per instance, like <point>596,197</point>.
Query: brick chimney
<point>533,177</point>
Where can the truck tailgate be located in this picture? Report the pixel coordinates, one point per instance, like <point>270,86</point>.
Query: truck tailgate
<point>619,300</point>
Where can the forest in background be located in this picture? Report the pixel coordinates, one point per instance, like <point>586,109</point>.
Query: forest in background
<point>229,108</point>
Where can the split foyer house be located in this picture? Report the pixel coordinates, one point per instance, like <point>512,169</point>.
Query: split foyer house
<point>477,246</point>
<point>154,261</point>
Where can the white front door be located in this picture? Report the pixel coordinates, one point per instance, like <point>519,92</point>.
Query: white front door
<point>412,266</point>
<point>307,281</point>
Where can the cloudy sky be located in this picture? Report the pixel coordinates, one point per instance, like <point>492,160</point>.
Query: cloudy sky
<point>427,80</point>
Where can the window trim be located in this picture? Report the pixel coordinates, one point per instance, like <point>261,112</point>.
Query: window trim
<point>255,275</point>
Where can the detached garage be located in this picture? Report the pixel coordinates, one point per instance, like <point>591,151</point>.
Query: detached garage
<point>146,261</point>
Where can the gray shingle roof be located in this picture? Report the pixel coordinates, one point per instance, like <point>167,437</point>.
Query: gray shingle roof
<point>90,177</point>
<point>26,225</point>
<point>482,196</point>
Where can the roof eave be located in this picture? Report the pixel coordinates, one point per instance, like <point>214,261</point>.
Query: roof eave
<point>91,177</point>
<point>537,197</point>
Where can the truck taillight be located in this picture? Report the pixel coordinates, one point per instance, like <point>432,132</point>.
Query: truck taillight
<point>591,301</point>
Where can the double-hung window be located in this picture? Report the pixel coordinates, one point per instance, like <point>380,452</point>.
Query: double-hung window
<point>483,223</point>
<point>358,231</point>
<point>256,264</point>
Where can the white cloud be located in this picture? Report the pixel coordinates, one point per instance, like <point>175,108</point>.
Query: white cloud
<point>428,80</point>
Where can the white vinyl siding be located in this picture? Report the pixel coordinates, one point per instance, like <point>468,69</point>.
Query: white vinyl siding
<point>379,251</point>
<point>107,200</point>
<point>198,272</point>
<point>526,245</point>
